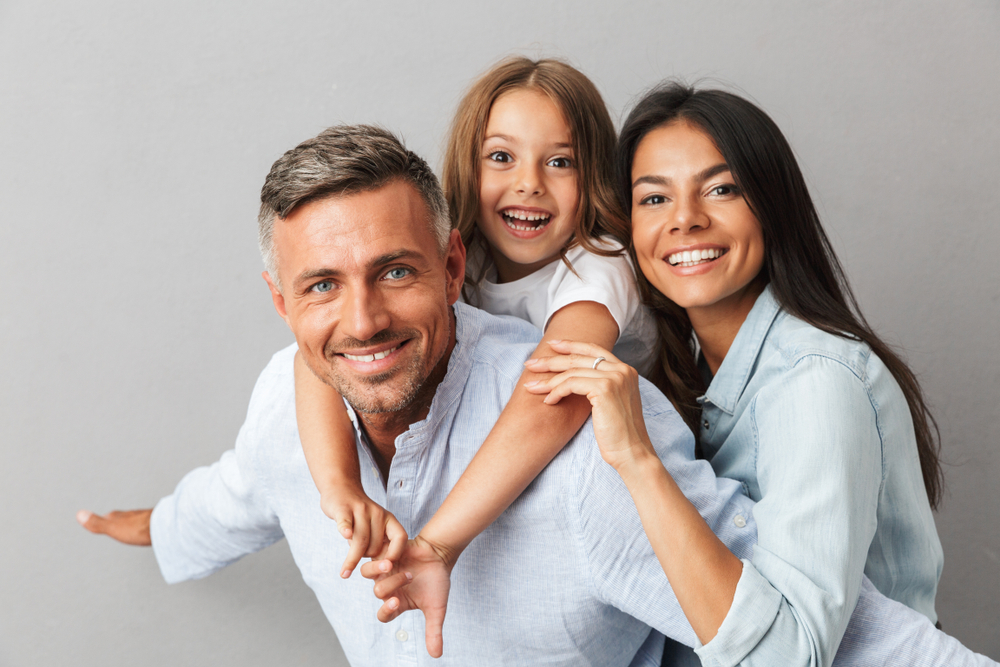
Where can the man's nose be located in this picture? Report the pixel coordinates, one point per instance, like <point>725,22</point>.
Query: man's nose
<point>363,313</point>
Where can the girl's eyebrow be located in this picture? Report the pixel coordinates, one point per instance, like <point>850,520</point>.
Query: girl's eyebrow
<point>512,140</point>
<point>664,181</point>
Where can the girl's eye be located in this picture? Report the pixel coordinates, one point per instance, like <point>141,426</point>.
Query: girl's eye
<point>652,200</point>
<point>499,156</point>
<point>560,162</point>
<point>322,287</point>
<point>397,274</point>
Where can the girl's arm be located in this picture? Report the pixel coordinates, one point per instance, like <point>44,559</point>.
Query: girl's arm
<point>526,437</point>
<point>702,571</point>
<point>328,443</point>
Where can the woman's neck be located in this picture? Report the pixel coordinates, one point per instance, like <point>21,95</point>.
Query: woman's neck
<point>716,325</point>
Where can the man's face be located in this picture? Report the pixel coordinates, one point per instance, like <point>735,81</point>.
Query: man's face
<point>367,293</point>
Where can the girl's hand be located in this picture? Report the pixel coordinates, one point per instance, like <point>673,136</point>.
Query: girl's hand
<point>370,529</point>
<point>420,579</point>
<point>612,388</point>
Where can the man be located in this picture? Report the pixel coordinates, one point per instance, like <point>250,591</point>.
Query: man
<point>364,269</point>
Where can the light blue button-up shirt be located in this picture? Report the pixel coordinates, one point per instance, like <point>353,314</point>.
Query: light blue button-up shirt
<point>820,434</point>
<point>565,576</point>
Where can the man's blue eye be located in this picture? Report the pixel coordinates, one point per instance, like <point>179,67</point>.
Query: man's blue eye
<point>397,274</point>
<point>322,287</point>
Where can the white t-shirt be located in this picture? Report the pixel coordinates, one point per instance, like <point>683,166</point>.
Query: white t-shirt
<point>605,280</point>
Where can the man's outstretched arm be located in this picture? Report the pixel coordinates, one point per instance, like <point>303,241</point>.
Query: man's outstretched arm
<point>128,527</point>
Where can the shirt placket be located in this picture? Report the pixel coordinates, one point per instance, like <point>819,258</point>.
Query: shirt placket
<point>399,491</point>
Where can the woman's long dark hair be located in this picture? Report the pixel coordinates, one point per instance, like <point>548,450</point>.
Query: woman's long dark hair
<point>799,263</point>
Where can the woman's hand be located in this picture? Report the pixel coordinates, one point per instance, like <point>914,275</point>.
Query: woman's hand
<point>612,387</point>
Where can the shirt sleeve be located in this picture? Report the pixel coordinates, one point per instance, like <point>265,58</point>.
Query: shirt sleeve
<point>222,512</point>
<point>604,280</point>
<point>623,567</point>
<point>819,467</point>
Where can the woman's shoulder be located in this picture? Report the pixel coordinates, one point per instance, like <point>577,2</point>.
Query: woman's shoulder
<point>793,342</point>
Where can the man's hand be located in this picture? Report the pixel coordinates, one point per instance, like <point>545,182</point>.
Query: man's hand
<point>131,527</point>
<point>420,579</point>
<point>371,529</point>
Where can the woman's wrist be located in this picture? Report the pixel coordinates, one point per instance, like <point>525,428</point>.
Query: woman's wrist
<point>639,467</point>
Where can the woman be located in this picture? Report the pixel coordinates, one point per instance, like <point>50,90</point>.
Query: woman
<point>783,382</point>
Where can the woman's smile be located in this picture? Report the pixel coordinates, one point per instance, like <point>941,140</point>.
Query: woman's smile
<point>695,237</point>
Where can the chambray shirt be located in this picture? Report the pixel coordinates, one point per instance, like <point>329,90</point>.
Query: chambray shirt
<point>565,576</point>
<point>820,434</point>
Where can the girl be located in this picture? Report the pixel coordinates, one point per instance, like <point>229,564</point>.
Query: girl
<point>764,352</point>
<point>528,174</point>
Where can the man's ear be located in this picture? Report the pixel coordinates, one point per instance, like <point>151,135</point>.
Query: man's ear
<point>455,266</point>
<point>276,297</point>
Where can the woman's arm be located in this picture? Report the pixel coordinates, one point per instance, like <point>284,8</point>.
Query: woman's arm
<point>702,571</point>
<point>328,443</point>
<point>526,437</point>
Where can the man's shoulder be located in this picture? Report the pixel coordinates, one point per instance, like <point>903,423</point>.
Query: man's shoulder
<point>271,411</point>
<point>501,342</point>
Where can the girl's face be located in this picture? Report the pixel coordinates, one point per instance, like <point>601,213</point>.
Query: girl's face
<point>695,237</point>
<point>528,193</point>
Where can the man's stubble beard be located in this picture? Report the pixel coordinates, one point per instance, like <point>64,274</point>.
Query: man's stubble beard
<point>411,377</point>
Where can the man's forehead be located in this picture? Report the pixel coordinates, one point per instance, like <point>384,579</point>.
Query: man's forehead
<point>345,232</point>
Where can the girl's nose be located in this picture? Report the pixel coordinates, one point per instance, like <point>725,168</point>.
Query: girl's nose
<point>689,215</point>
<point>529,180</point>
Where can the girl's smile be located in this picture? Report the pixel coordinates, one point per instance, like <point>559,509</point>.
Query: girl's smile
<point>528,192</point>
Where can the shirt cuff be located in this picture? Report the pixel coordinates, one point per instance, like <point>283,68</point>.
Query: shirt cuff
<point>755,606</point>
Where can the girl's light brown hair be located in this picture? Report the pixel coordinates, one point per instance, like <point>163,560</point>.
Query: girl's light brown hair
<point>593,135</point>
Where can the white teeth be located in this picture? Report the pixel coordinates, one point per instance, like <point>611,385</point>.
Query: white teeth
<point>370,357</point>
<point>511,215</point>
<point>694,257</point>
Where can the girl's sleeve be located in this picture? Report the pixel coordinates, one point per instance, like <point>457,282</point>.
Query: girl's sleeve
<point>605,280</point>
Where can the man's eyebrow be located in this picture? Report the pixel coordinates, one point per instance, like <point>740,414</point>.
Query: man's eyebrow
<point>702,175</point>
<point>381,260</point>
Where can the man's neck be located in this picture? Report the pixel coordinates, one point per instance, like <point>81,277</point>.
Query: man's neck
<point>383,428</point>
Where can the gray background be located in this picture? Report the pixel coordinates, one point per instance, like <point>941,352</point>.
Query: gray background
<point>134,138</point>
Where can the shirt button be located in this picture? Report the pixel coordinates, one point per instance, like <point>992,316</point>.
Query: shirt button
<point>739,521</point>
<point>401,635</point>
<point>706,424</point>
<point>400,483</point>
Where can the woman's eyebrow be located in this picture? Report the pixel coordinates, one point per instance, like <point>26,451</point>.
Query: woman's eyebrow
<point>664,181</point>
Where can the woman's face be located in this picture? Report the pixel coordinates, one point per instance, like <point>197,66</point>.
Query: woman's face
<point>695,237</point>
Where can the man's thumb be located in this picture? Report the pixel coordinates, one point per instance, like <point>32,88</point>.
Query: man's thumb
<point>90,521</point>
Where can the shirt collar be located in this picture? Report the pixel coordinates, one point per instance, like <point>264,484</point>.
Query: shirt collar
<point>468,330</point>
<point>729,382</point>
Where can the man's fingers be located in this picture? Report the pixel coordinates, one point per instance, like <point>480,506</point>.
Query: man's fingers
<point>130,527</point>
<point>388,587</point>
<point>432,637</point>
<point>90,521</point>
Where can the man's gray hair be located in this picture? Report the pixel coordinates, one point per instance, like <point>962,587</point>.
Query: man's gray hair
<point>344,160</point>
